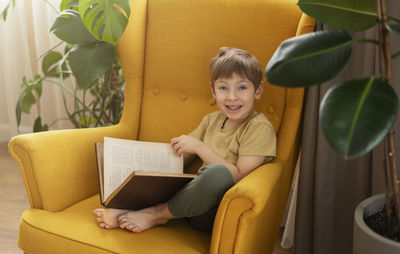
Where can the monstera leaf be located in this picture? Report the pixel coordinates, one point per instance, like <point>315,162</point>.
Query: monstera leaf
<point>70,28</point>
<point>69,4</point>
<point>82,58</point>
<point>356,115</point>
<point>351,15</point>
<point>105,19</point>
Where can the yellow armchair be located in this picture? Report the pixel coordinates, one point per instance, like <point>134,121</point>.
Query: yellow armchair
<point>164,53</point>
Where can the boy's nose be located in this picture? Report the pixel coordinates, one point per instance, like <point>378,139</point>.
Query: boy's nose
<point>232,95</point>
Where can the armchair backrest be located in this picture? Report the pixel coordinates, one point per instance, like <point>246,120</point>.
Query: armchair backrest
<point>166,49</point>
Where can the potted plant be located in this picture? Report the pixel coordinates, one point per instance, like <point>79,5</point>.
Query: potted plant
<point>356,115</point>
<point>89,62</point>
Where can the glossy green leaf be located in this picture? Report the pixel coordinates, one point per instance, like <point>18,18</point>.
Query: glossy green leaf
<point>69,4</point>
<point>106,19</point>
<point>350,15</point>
<point>38,127</point>
<point>357,114</point>
<point>88,62</point>
<point>69,27</point>
<point>309,59</point>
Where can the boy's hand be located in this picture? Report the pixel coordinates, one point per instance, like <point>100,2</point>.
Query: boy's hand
<point>185,144</point>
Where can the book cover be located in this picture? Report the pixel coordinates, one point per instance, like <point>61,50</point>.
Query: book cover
<point>140,188</point>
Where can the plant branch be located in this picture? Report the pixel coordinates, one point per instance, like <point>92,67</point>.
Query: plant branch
<point>58,119</point>
<point>368,41</point>
<point>42,55</point>
<point>385,48</point>
<point>54,8</point>
<point>395,55</point>
<point>385,173</point>
<point>394,19</point>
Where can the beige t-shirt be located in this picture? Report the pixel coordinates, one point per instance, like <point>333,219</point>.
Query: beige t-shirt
<point>254,136</point>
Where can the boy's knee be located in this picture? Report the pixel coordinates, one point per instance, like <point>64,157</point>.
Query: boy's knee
<point>217,176</point>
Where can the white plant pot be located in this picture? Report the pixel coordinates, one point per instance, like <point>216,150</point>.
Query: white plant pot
<point>366,241</point>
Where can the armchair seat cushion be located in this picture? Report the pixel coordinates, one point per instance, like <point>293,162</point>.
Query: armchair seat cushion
<point>74,230</point>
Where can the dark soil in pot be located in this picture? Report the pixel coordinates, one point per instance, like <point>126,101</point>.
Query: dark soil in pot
<point>379,222</point>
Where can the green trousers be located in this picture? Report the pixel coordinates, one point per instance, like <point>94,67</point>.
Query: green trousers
<point>198,201</point>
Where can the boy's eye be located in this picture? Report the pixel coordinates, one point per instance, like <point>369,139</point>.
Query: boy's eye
<point>222,88</point>
<point>242,87</point>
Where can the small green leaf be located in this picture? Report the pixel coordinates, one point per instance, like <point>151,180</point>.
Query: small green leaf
<point>36,84</point>
<point>27,100</point>
<point>69,27</point>
<point>86,121</point>
<point>88,62</point>
<point>38,127</point>
<point>357,114</point>
<point>395,28</point>
<point>395,55</point>
<point>309,59</point>
<point>18,112</point>
<point>106,19</point>
<point>69,4</point>
<point>4,12</point>
<point>350,15</point>
<point>49,63</point>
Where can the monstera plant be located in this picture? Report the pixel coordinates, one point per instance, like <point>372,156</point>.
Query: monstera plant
<point>87,70</point>
<point>356,115</point>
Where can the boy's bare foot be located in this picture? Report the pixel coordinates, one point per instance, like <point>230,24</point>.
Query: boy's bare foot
<point>108,218</point>
<point>138,221</point>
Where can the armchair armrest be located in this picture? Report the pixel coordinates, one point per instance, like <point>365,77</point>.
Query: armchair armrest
<point>250,210</point>
<point>59,167</point>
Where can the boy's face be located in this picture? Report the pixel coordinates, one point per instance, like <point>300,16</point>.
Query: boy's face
<point>235,97</point>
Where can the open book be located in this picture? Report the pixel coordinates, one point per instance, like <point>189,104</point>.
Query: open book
<point>136,174</point>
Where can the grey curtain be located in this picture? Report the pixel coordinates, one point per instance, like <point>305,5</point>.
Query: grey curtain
<point>329,186</point>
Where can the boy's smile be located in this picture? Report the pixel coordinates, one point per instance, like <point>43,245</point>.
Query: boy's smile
<point>235,97</point>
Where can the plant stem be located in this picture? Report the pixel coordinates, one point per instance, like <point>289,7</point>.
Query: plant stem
<point>58,119</point>
<point>42,55</point>
<point>385,47</point>
<point>385,173</point>
<point>394,19</point>
<point>368,41</point>
<point>54,8</point>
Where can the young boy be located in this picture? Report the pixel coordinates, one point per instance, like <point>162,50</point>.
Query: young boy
<point>231,142</point>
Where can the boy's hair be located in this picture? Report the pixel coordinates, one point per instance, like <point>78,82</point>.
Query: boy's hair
<point>233,60</point>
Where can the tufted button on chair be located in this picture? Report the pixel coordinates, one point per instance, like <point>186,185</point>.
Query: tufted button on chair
<point>167,47</point>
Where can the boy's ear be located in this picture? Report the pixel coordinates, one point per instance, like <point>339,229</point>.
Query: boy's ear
<point>259,90</point>
<point>212,90</point>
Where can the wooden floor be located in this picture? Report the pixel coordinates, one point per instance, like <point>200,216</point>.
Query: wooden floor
<point>13,202</point>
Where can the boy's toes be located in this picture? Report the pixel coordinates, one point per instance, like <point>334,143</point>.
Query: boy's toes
<point>132,227</point>
<point>98,212</point>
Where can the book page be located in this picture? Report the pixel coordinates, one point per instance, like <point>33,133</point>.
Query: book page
<point>122,157</point>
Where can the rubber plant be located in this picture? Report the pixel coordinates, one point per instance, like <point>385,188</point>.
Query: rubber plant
<point>90,29</point>
<point>359,114</point>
